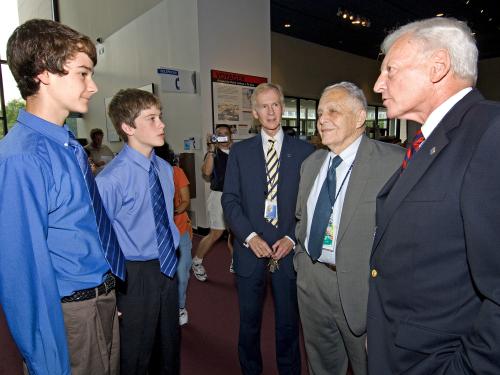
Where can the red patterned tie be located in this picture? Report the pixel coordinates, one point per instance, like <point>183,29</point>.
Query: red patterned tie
<point>415,145</point>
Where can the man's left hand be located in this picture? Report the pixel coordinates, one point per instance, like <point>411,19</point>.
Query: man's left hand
<point>281,248</point>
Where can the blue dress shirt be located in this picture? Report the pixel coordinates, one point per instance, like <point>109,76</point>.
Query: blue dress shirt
<point>48,236</point>
<point>124,189</point>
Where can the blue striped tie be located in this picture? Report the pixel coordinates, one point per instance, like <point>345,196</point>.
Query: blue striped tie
<point>112,251</point>
<point>166,249</point>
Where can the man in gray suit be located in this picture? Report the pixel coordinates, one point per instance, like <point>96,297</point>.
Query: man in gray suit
<point>336,213</point>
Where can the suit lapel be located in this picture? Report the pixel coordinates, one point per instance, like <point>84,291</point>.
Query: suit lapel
<point>259,162</point>
<point>356,186</point>
<point>398,187</point>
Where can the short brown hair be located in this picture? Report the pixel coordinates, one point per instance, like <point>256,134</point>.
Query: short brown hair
<point>127,105</point>
<point>96,131</point>
<point>39,45</point>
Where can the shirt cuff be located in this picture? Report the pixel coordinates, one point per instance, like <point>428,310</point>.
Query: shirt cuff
<point>292,242</point>
<point>250,236</point>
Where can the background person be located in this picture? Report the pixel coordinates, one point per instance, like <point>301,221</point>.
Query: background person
<point>214,170</point>
<point>333,245</point>
<point>434,299</point>
<point>181,205</point>
<point>99,153</point>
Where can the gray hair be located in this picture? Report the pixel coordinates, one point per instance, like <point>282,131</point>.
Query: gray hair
<point>447,33</point>
<point>354,92</point>
<point>264,87</point>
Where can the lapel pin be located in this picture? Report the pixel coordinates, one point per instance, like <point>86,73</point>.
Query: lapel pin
<point>432,151</point>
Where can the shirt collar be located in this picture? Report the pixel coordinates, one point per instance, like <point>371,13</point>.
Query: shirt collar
<point>278,137</point>
<point>437,115</point>
<point>50,130</point>
<point>138,158</point>
<point>349,153</point>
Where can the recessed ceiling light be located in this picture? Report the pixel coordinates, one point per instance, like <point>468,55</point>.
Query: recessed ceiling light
<point>440,15</point>
<point>287,25</point>
<point>482,10</point>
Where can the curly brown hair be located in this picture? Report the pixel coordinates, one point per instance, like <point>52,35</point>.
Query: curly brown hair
<point>39,45</point>
<point>127,105</point>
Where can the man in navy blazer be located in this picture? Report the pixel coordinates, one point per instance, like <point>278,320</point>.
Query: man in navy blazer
<point>264,240</point>
<point>434,299</point>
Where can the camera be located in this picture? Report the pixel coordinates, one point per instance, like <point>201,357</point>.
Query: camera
<point>214,138</point>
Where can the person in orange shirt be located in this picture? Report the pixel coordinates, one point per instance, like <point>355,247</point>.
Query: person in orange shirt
<point>183,223</point>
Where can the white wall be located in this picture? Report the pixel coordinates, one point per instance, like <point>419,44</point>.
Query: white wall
<point>166,35</point>
<point>234,36</point>
<point>97,18</point>
<point>29,9</point>
<point>199,35</point>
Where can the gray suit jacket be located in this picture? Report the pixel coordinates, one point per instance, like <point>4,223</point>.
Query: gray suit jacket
<point>375,162</point>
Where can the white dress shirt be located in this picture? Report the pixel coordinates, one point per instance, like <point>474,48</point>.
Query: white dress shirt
<point>342,173</point>
<point>278,138</point>
<point>437,115</point>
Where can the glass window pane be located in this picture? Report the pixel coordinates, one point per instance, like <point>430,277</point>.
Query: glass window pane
<point>13,100</point>
<point>370,121</point>
<point>307,117</point>
<point>9,20</point>
<point>289,117</point>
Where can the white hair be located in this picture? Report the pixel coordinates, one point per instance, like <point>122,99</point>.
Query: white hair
<point>447,33</point>
<point>352,90</point>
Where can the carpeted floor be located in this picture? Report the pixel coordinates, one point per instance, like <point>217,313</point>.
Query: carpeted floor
<point>210,339</point>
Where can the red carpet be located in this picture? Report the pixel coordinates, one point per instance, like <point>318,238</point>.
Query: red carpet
<point>210,339</point>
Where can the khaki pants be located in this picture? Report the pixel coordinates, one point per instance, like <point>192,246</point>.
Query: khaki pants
<point>93,335</point>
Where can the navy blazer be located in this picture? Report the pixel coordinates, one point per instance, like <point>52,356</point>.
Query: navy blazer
<point>434,299</point>
<point>245,190</point>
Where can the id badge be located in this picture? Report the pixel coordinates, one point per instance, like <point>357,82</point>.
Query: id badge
<point>329,236</point>
<point>271,210</point>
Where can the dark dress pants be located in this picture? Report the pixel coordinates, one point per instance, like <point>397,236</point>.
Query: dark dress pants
<point>251,293</point>
<point>149,325</point>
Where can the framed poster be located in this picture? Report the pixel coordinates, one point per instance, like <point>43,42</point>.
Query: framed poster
<point>231,105</point>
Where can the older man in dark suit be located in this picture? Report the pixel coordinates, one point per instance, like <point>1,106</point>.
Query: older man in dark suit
<point>334,236</point>
<point>434,299</point>
<point>260,191</point>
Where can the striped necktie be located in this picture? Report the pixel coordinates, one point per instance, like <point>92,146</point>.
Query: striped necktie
<point>272,172</point>
<point>323,210</point>
<point>109,242</point>
<point>164,238</point>
<point>413,148</point>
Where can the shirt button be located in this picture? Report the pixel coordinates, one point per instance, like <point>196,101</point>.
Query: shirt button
<point>374,273</point>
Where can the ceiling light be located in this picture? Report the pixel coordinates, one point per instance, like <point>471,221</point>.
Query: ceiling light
<point>440,15</point>
<point>482,10</point>
<point>353,18</point>
<point>287,25</point>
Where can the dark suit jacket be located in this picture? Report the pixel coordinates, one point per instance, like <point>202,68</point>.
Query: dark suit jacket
<point>434,300</point>
<point>244,196</point>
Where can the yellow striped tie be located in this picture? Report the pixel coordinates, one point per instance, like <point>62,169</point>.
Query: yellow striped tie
<point>272,170</point>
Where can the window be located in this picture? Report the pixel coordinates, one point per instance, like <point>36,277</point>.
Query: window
<point>300,114</point>
<point>378,126</point>
<point>10,98</point>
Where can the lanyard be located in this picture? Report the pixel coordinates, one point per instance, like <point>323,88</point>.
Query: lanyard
<point>343,181</point>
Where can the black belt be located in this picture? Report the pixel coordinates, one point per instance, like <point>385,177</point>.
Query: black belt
<point>85,294</point>
<point>333,267</point>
